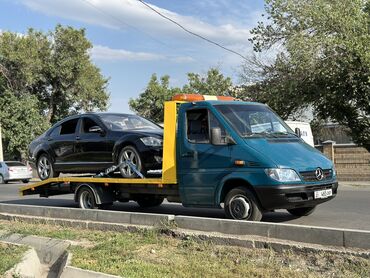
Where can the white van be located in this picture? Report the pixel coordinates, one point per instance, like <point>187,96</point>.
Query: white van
<point>306,132</point>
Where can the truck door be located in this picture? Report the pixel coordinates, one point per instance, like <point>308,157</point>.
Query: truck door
<point>201,164</point>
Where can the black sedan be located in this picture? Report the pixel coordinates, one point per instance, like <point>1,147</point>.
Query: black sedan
<point>92,142</point>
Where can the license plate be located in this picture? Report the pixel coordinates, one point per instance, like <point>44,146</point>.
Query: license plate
<point>322,194</point>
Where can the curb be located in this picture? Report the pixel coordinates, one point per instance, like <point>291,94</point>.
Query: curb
<point>69,271</point>
<point>29,266</point>
<point>92,219</point>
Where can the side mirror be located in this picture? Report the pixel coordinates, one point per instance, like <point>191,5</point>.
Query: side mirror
<point>298,132</point>
<point>96,129</point>
<point>216,136</point>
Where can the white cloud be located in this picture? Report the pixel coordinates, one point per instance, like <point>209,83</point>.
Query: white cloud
<point>99,52</point>
<point>104,53</point>
<point>121,13</point>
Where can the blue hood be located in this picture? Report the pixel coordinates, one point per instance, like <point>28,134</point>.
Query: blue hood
<point>290,153</point>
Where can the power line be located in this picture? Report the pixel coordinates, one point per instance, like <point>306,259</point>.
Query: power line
<point>191,32</point>
<point>122,22</point>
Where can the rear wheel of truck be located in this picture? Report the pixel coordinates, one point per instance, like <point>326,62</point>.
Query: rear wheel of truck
<point>301,211</point>
<point>86,198</point>
<point>150,201</point>
<point>241,204</point>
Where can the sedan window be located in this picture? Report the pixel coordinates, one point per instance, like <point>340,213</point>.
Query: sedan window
<point>15,163</point>
<point>87,123</point>
<point>118,122</point>
<point>69,127</point>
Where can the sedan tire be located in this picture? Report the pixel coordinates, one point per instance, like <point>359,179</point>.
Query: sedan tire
<point>2,180</point>
<point>45,168</point>
<point>129,153</point>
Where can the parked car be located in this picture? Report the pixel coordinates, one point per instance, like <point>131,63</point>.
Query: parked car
<point>92,142</point>
<point>14,171</point>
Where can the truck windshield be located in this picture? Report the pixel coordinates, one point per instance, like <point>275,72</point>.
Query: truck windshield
<point>251,120</point>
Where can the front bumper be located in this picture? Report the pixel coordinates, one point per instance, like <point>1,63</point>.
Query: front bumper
<point>290,196</point>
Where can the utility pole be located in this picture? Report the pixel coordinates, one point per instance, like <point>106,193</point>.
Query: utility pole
<point>1,146</point>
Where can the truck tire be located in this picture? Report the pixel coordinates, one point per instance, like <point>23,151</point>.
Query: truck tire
<point>86,198</point>
<point>150,201</point>
<point>241,204</point>
<point>301,211</point>
<point>45,168</point>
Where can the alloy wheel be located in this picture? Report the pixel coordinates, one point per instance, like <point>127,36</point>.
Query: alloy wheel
<point>129,155</point>
<point>44,168</point>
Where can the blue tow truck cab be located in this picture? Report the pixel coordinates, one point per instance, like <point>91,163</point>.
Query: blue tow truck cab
<point>242,155</point>
<point>218,152</point>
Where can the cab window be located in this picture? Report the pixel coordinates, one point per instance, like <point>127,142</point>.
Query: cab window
<point>199,123</point>
<point>197,126</point>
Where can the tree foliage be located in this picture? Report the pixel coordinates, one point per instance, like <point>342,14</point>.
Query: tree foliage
<point>20,121</point>
<point>150,103</point>
<point>323,61</point>
<point>46,77</point>
<point>212,83</point>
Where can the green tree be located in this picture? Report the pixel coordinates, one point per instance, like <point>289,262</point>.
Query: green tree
<point>323,61</point>
<point>21,121</point>
<point>56,68</point>
<point>150,103</point>
<point>213,83</point>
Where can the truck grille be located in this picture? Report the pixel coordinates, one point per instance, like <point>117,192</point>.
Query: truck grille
<point>311,176</point>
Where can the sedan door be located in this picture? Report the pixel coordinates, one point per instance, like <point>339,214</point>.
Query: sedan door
<point>93,145</point>
<point>62,143</point>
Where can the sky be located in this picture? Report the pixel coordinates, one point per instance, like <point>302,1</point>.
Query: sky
<point>131,42</point>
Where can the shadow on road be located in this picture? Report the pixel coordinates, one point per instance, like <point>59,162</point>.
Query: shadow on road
<point>173,208</point>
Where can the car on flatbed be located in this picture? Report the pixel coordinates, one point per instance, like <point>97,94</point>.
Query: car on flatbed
<point>92,142</point>
<point>218,153</point>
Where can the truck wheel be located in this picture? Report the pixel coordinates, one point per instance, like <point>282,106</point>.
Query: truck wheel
<point>301,211</point>
<point>146,202</point>
<point>131,154</point>
<point>241,204</point>
<point>86,199</point>
<point>45,168</point>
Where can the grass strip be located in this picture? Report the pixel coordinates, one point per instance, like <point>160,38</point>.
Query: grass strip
<point>148,253</point>
<point>10,255</point>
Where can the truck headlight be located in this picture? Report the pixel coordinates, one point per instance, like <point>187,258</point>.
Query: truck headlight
<point>151,141</point>
<point>283,175</point>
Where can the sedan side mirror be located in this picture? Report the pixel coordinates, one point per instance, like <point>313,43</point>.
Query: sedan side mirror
<point>96,129</point>
<point>298,132</point>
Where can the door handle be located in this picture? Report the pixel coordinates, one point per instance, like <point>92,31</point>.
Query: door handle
<point>50,139</point>
<point>189,154</point>
<point>78,138</point>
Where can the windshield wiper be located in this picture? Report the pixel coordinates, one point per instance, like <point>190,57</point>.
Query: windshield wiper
<point>275,134</point>
<point>260,134</point>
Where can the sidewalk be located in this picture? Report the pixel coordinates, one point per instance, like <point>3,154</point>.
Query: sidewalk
<point>355,183</point>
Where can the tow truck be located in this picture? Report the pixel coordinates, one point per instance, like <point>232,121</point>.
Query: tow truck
<point>218,152</point>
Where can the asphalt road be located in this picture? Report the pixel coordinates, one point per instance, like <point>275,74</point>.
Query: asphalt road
<point>350,209</point>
